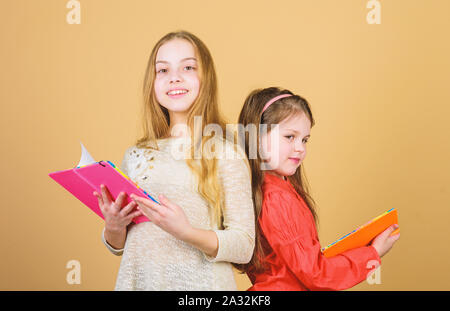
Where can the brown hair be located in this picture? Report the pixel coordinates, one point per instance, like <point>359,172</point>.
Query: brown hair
<point>156,119</point>
<point>278,111</point>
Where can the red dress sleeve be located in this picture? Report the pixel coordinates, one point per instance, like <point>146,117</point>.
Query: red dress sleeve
<point>289,228</point>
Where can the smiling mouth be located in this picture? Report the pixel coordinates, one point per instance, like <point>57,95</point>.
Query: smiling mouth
<point>177,92</point>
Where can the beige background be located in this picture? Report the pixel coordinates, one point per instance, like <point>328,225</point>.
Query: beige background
<point>379,93</point>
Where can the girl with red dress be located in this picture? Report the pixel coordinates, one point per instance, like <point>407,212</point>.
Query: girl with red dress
<point>288,253</point>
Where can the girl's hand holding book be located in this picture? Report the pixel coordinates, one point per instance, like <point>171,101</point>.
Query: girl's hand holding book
<point>117,217</point>
<point>167,215</point>
<point>384,241</point>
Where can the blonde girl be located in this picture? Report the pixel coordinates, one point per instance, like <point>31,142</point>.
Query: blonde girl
<point>204,221</point>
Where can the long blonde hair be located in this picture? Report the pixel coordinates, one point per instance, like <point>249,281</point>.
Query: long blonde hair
<point>251,113</point>
<point>156,120</point>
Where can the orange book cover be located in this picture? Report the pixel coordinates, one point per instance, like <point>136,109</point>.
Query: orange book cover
<point>363,235</point>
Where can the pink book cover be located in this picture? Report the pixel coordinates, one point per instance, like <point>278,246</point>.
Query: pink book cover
<point>87,177</point>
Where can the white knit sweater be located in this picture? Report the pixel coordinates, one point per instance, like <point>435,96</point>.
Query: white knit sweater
<point>155,260</point>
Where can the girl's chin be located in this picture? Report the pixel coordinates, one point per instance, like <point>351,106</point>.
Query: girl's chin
<point>177,107</point>
<point>286,173</point>
<point>291,172</point>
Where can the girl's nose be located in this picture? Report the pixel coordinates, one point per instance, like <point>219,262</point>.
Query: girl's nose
<point>298,146</point>
<point>175,77</point>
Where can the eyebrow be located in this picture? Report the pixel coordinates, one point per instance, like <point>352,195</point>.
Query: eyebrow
<point>184,59</point>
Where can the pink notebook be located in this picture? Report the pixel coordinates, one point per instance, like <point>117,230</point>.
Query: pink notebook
<point>84,179</point>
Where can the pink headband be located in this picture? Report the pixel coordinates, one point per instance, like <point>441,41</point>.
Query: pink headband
<point>270,102</point>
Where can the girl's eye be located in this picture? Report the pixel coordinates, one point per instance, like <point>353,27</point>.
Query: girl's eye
<point>162,70</point>
<point>289,137</point>
<point>305,141</point>
<point>189,68</point>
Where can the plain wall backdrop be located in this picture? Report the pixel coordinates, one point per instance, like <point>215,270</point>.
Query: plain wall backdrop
<point>379,94</point>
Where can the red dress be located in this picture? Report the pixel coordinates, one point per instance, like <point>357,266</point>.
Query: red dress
<point>293,250</point>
